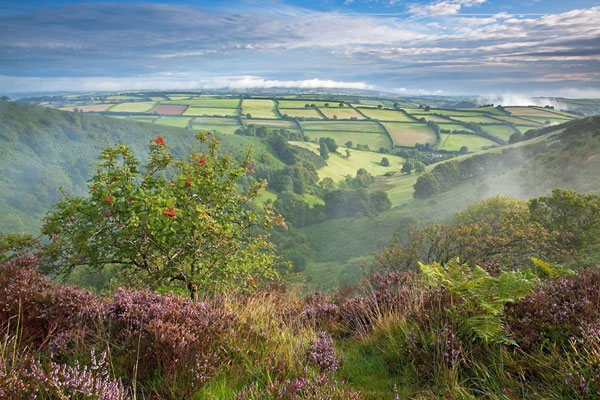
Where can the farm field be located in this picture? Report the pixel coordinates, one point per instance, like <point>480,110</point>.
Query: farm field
<point>178,97</point>
<point>551,120</point>
<point>223,125</point>
<point>431,117</point>
<point>259,108</point>
<point>385,115</point>
<point>143,118</point>
<point>203,102</point>
<point>139,107</point>
<point>271,123</point>
<point>374,140</point>
<point>440,111</point>
<point>516,120</point>
<point>409,134</point>
<point>169,109</point>
<point>88,108</point>
<point>500,131</point>
<point>453,142</point>
<point>338,166</point>
<point>477,119</point>
<point>210,111</point>
<point>341,113</point>
<point>358,126</point>
<point>530,112</point>
<point>303,103</point>
<point>179,122</point>
<point>301,113</point>
<point>453,127</point>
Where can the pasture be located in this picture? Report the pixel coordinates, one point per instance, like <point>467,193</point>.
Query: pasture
<point>271,123</point>
<point>143,118</point>
<point>340,113</point>
<point>169,109</point>
<point>357,126</point>
<point>211,111</point>
<point>516,120</point>
<point>223,125</point>
<point>385,114</point>
<point>178,122</point>
<point>500,131</point>
<point>259,108</point>
<point>207,102</point>
<point>531,112</point>
<point>88,108</point>
<point>475,119</point>
<point>453,127</point>
<point>310,113</point>
<point>374,140</point>
<point>432,117</point>
<point>409,134</point>
<point>138,107</point>
<point>303,103</point>
<point>453,142</point>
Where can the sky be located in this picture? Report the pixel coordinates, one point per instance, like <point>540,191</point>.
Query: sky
<point>406,47</point>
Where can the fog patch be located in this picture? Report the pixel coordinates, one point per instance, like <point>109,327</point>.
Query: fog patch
<point>516,99</point>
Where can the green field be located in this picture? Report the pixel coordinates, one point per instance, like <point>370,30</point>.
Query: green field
<point>302,103</point>
<point>516,120</point>
<point>372,139</point>
<point>553,120</point>
<point>179,122</point>
<point>259,108</point>
<point>439,111</point>
<point>139,107</point>
<point>431,117</point>
<point>476,119</point>
<point>341,113</point>
<point>223,125</point>
<point>357,126</point>
<point>302,113</point>
<point>453,127</point>
<point>530,112</point>
<point>271,123</point>
<point>221,112</point>
<point>500,131</point>
<point>338,166</point>
<point>178,97</point>
<point>385,115</point>
<point>453,142</point>
<point>409,134</point>
<point>216,103</point>
<point>143,118</point>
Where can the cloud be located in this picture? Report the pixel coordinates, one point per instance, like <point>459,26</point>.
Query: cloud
<point>446,7</point>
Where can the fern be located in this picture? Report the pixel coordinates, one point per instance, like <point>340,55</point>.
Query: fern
<point>481,297</point>
<point>550,270</point>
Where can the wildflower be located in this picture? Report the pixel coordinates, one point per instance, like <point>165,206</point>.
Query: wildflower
<point>53,238</point>
<point>188,182</point>
<point>109,200</point>
<point>202,160</point>
<point>225,251</point>
<point>169,212</point>
<point>94,187</point>
<point>253,281</point>
<point>159,140</point>
<point>249,167</point>
<point>173,181</point>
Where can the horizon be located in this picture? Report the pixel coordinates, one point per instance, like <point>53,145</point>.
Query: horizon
<point>482,48</point>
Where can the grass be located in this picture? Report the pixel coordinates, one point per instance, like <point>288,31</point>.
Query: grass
<point>516,120</point>
<point>437,111</point>
<point>204,103</point>
<point>553,120</point>
<point>259,108</point>
<point>139,107</point>
<point>500,131</point>
<point>374,140</point>
<point>341,113</point>
<point>88,108</point>
<point>265,196</point>
<point>338,166</point>
<point>356,126</point>
<point>179,122</point>
<point>302,103</point>
<point>143,118</point>
<point>475,119</point>
<point>530,112</point>
<point>431,117</point>
<point>303,113</point>
<point>453,127</point>
<point>209,111</point>
<point>271,123</point>
<point>385,115</point>
<point>407,134</point>
<point>223,125</point>
<point>453,142</point>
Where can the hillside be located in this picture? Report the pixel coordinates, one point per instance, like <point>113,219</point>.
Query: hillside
<point>42,149</point>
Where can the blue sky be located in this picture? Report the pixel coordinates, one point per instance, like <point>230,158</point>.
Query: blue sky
<point>484,47</point>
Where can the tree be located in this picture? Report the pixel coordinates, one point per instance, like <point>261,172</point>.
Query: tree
<point>407,167</point>
<point>348,144</point>
<point>326,104</point>
<point>515,138</point>
<point>330,143</point>
<point>379,106</point>
<point>426,186</point>
<point>347,153</point>
<point>419,167</point>
<point>180,223</point>
<point>341,105</point>
<point>464,150</point>
<point>323,151</point>
<point>385,162</point>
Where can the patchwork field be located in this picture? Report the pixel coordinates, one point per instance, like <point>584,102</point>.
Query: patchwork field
<point>453,127</point>
<point>223,125</point>
<point>88,108</point>
<point>259,108</point>
<point>453,142</point>
<point>303,103</point>
<point>143,118</point>
<point>531,112</point>
<point>477,119</point>
<point>385,115</point>
<point>439,111</point>
<point>372,139</point>
<point>139,107</point>
<point>409,134</point>
<point>358,126</point>
<point>169,109</point>
<point>178,97</point>
<point>547,120</point>
<point>204,102</point>
<point>431,117</point>
<point>516,120</point>
<point>301,113</point>
<point>338,166</point>
<point>210,111</point>
<point>341,113</point>
<point>179,122</point>
<point>271,123</point>
<point>500,131</point>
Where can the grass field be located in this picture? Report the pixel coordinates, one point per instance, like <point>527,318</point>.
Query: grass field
<point>453,127</point>
<point>88,108</point>
<point>303,113</point>
<point>477,119</point>
<point>516,120</point>
<point>438,111</point>
<point>120,98</point>
<point>178,97</point>
<point>357,126</point>
<point>143,106</point>
<point>338,166</point>
<point>409,134</point>
<point>341,113</point>
<point>372,139</point>
<point>221,112</point>
<point>524,128</point>
<point>170,109</point>
<point>385,115</point>
<point>271,123</point>
<point>431,117</point>
<point>143,118</point>
<point>216,103</point>
<point>500,131</point>
<point>223,125</point>
<point>553,120</point>
<point>302,103</point>
<point>179,122</point>
<point>259,108</point>
<point>453,142</point>
<point>530,112</point>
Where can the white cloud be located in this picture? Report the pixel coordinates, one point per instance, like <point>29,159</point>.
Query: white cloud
<point>445,7</point>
